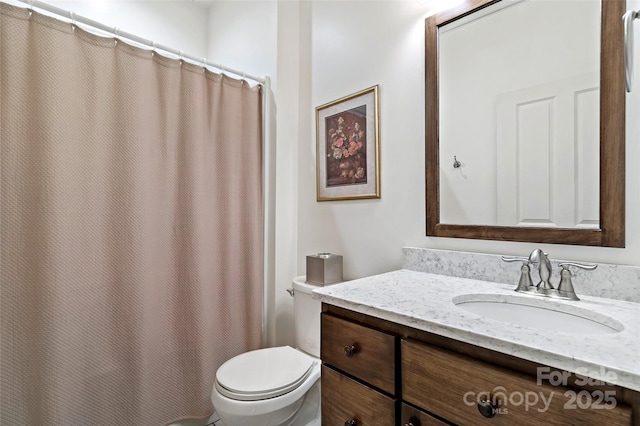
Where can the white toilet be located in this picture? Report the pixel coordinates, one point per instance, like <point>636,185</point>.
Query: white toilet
<point>275,386</point>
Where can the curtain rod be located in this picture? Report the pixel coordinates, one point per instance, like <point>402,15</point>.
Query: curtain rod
<point>123,34</point>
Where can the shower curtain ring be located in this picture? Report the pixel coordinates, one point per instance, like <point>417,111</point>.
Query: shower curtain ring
<point>116,32</point>
<point>72,16</point>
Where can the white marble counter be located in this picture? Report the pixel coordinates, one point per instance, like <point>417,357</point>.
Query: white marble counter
<point>424,301</point>
<point>609,281</point>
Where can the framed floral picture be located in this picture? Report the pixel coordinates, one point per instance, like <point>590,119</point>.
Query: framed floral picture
<point>347,147</point>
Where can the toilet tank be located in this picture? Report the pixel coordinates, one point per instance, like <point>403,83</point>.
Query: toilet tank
<point>306,311</point>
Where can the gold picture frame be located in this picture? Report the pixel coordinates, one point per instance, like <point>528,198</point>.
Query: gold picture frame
<point>348,147</point>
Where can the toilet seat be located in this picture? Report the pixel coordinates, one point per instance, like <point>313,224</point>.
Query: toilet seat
<point>263,373</point>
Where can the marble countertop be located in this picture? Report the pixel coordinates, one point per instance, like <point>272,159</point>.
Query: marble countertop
<point>424,301</point>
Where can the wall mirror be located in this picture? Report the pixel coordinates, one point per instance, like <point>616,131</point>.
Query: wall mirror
<point>525,110</point>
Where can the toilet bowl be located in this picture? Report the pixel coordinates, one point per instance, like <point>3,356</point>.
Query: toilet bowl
<point>277,386</point>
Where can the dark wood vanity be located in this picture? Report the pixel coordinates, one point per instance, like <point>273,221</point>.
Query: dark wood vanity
<point>377,372</point>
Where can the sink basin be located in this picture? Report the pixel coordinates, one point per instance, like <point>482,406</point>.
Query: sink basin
<point>541,314</point>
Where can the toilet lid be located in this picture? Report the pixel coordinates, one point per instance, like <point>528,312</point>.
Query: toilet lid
<point>263,373</point>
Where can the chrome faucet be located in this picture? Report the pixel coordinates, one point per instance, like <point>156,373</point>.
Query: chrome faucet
<point>544,270</point>
<point>544,287</point>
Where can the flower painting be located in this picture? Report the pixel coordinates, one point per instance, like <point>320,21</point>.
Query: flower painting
<point>347,147</point>
<point>346,138</point>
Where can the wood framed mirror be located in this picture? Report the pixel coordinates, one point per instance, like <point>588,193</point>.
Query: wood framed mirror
<point>608,229</point>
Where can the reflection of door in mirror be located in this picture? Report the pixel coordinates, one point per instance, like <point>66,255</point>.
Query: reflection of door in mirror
<point>519,107</point>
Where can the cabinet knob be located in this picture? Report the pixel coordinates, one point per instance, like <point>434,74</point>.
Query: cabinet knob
<point>349,351</point>
<point>486,409</point>
<point>412,422</point>
<point>351,422</point>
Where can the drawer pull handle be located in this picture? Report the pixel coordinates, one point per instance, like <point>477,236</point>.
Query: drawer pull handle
<point>351,422</point>
<point>486,409</point>
<point>412,422</point>
<point>350,351</point>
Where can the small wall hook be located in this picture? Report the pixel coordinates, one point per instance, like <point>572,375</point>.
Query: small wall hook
<point>456,163</point>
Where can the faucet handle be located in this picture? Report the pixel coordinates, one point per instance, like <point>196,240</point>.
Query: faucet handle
<point>587,266</point>
<point>524,284</point>
<point>565,288</point>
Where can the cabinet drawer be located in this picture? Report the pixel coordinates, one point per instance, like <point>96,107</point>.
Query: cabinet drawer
<point>344,399</point>
<point>373,359</point>
<point>413,417</point>
<point>450,385</point>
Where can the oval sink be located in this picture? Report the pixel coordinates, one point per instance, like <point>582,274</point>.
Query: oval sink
<point>540,314</point>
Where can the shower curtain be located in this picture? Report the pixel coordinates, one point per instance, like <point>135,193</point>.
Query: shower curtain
<point>131,228</point>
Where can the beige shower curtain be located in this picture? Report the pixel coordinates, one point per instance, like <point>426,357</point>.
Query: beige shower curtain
<point>131,228</point>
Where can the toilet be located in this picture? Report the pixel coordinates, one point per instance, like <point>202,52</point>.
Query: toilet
<point>277,386</point>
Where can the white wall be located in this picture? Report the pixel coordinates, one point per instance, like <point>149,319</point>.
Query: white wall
<point>356,45</point>
<point>243,35</point>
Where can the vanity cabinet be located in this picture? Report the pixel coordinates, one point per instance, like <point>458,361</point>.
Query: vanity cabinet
<point>358,374</point>
<point>377,372</point>
<point>467,391</point>
<point>360,351</point>
<point>348,402</point>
